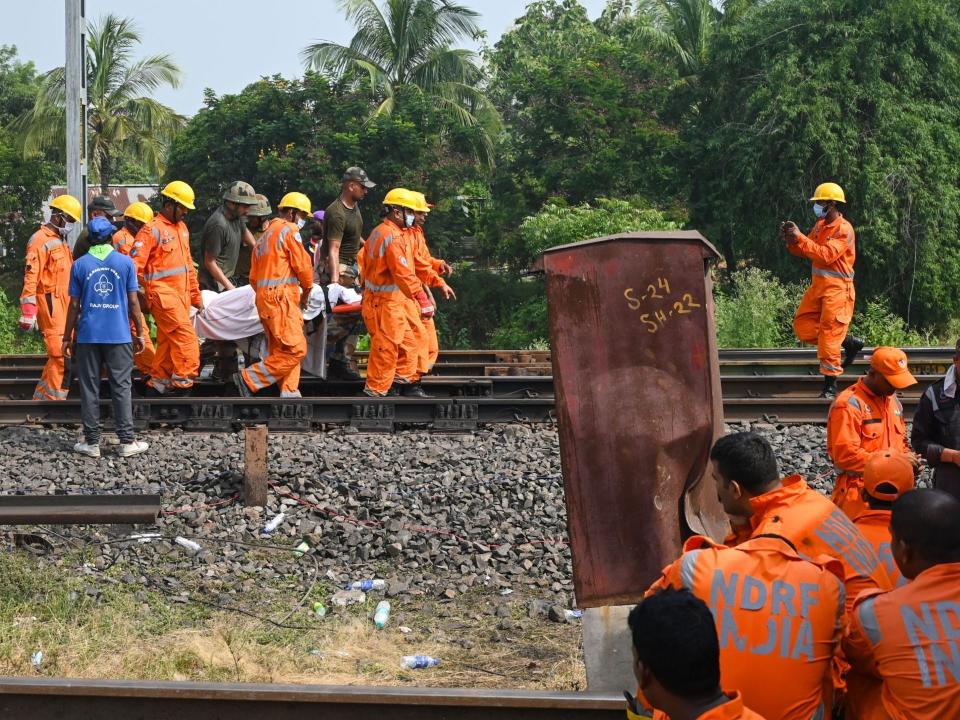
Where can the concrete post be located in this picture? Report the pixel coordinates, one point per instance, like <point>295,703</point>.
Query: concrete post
<point>607,649</point>
<point>76,106</point>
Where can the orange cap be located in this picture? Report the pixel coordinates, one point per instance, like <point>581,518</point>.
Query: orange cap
<point>888,468</point>
<point>891,362</point>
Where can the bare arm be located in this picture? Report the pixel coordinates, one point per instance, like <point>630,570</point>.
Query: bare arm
<point>210,263</point>
<point>333,260</point>
<point>73,312</point>
<point>133,312</point>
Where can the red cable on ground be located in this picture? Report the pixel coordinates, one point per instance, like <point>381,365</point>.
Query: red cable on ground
<point>219,503</point>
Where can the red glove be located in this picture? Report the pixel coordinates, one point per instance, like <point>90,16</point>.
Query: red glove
<point>28,315</point>
<point>426,307</point>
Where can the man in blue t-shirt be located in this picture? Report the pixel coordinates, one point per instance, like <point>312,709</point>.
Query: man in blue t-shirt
<point>103,302</point>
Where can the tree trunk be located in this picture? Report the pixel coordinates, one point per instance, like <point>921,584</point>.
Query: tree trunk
<point>104,171</point>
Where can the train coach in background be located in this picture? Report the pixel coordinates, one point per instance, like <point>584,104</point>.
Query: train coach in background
<point>825,312</point>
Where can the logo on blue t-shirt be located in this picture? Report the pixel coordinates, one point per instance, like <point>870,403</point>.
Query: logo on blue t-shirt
<point>103,287</point>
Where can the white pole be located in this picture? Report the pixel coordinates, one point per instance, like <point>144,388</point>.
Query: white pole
<point>76,101</point>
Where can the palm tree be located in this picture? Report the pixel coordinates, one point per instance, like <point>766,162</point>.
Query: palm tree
<point>122,118</point>
<point>408,43</point>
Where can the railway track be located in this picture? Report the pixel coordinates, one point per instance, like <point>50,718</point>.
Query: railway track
<point>146,700</point>
<point>504,386</point>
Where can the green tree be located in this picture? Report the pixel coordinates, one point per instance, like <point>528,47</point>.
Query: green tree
<point>408,44</point>
<point>861,92</point>
<point>123,118</point>
<point>581,104</point>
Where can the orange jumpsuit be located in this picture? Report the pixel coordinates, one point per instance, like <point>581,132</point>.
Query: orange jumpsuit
<point>778,616</point>
<point>167,275</point>
<point>280,270</point>
<point>909,638</point>
<point>427,269</point>
<point>46,282</point>
<point>389,283</point>
<point>875,526</point>
<point>826,309</point>
<point>123,242</point>
<point>734,709</point>
<point>859,424</point>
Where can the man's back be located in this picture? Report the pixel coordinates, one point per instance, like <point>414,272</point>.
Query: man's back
<point>910,639</point>
<point>102,283</point>
<point>777,615</point>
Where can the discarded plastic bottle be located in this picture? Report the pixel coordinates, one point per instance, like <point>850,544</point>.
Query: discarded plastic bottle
<point>573,614</point>
<point>273,524</point>
<point>382,614</point>
<point>188,544</point>
<point>418,662</point>
<point>366,585</point>
<point>320,610</point>
<point>300,549</point>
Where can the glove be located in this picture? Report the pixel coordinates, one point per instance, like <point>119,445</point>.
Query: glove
<point>28,315</point>
<point>426,307</point>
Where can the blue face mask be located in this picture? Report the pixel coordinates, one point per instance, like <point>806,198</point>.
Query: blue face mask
<point>819,210</point>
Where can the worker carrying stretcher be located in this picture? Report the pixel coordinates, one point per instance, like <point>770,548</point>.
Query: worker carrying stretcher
<point>825,312</point>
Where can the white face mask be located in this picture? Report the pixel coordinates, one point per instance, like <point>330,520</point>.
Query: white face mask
<point>66,229</point>
<point>301,222</point>
<point>408,220</point>
<point>818,210</point>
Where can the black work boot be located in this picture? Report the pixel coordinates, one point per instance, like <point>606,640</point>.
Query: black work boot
<point>415,390</point>
<point>829,387</point>
<point>342,370</point>
<point>852,346</point>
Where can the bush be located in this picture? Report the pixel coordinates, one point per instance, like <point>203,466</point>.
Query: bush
<point>12,340</point>
<point>877,324</point>
<point>755,310</point>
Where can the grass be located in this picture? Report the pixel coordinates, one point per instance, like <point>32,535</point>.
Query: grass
<point>138,632</point>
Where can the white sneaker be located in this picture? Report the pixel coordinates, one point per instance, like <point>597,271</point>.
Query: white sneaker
<point>128,449</point>
<point>88,450</point>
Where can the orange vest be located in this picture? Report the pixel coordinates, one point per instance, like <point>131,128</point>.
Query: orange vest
<point>816,527</point>
<point>279,259</point>
<point>832,248</point>
<point>47,269</point>
<point>426,267</point>
<point>861,423</point>
<point>123,241</point>
<point>875,526</point>
<point>778,616</point>
<point>386,262</point>
<point>910,639</point>
<point>163,259</point>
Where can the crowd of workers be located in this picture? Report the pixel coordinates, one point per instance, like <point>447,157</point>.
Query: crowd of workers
<point>240,244</point>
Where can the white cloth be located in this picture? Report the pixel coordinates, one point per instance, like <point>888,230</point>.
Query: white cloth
<point>950,382</point>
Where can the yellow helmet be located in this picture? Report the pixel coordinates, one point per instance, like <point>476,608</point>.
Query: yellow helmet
<point>68,205</point>
<point>139,211</point>
<point>296,200</point>
<point>828,191</point>
<point>180,192</point>
<point>402,197</point>
<point>421,200</point>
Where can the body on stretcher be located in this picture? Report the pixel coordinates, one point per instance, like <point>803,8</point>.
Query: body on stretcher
<point>232,315</point>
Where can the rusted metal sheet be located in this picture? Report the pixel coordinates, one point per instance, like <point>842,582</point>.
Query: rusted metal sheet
<point>637,383</point>
<point>122,195</point>
<point>145,700</point>
<point>78,509</point>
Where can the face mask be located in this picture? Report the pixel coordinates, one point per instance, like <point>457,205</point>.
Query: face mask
<point>819,210</point>
<point>301,222</point>
<point>67,228</point>
<point>408,220</point>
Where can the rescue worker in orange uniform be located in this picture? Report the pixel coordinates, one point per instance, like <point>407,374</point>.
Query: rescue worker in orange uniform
<point>135,217</point>
<point>428,270</point>
<point>909,638</point>
<point>45,296</point>
<point>387,266</point>
<point>677,662</point>
<point>758,503</point>
<point>886,476</point>
<point>281,274</point>
<point>168,278</point>
<point>778,616</point>
<point>825,312</point>
<point>865,418</point>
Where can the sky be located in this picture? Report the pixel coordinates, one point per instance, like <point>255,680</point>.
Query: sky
<point>219,44</point>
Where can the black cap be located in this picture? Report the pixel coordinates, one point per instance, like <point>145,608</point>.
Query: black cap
<point>102,202</point>
<point>358,175</point>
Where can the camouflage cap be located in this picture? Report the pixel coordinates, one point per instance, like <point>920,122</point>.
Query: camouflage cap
<point>102,202</point>
<point>359,175</point>
<point>262,208</point>
<point>242,193</point>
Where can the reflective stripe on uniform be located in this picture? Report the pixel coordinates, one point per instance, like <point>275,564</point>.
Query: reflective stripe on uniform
<point>51,244</point>
<point>823,272</point>
<point>45,389</point>
<point>281,236</point>
<point>29,300</point>
<point>170,272</point>
<point>688,565</point>
<point>851,473</point>
<point>828,366</point>
<point>379,288</point>
<point>278,281</point>
<point>867,614</point>
<point>852,400</point>
<point>931,396</point>
<point>251,375</point>
<point>383,246</point>
<point>820,712</point>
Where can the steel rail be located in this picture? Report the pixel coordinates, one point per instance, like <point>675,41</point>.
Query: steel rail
<point>67,699</point>
<point>78,509</point>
